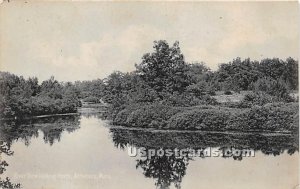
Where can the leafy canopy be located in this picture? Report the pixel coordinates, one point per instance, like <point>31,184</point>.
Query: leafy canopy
<point>164,69</point>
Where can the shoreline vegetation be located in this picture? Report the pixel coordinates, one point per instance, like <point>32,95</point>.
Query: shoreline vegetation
<point>155,130</point>
<point>268,118</point>
<point>82,109</point>
<point>166,92</point>
<point>40,116</point>
<point>21,98</point>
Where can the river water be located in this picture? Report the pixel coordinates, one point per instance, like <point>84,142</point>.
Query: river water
<point>84,151</point>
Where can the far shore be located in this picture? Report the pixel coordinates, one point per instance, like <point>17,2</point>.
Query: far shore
<point>265,133</point>
<point>85,105</point>
<point>39,116</point>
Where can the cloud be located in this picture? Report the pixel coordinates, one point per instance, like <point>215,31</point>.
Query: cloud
<point>111,52</point>
<point>88,41</point>
<point>249,30</point>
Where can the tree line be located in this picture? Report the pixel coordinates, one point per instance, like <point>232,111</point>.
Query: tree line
<point>163,76</point>
<point>21,97</point>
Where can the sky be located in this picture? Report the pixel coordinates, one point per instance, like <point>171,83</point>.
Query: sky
<point>89,40</point>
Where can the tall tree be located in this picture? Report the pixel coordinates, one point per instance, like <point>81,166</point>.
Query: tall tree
<point>164,69</point>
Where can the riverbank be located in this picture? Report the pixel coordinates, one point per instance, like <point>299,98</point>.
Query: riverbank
<point>275,117</point>
<point>39,116</point>
<point>154,130</point>
<point>85,108</point>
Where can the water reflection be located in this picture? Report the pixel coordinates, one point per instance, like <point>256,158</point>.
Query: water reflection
<point>51,127</point>
<point>166,170</point>
<point>25,130</point>
<point>268,144</point>
<point>6,183</point>
<point>93,111</point>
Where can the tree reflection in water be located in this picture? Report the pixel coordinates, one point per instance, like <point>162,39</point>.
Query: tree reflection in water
<point>6,183</point>
<point>164,169</point>
<point>25,130</point>
<point>170,169</point>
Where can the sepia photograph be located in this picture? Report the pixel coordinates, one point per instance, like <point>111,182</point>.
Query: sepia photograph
<point>149,94</point>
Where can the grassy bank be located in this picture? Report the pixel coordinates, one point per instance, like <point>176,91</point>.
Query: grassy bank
<point>277,117</point>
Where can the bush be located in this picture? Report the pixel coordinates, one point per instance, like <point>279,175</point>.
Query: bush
<point>261,98</point>
<point>20,98</point>
<point>154,115</point>
<point>258,98</point>
<point>201,119</point>
<point>227,93</point>
<point>278,88</point>
<point>212,92</point>
<point>92,99</point>
<point>120,118</point>
<point>270,117</point>
<point>188,99</point>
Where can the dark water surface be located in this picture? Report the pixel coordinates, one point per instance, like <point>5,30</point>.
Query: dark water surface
<point>83,151</point>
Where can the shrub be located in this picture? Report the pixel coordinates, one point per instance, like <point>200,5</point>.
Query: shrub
<point>154,115</point>
<point>212,92</point>
<point>228,93</point>
<point>260,98</point>
<point>257,98</point>
<point>188,99</point>
<point>197,89</point>
<point>92,99</point>
<point>278,88</point>
<point>202,119</point>
<point>271,117</point>
<point>121,117</point>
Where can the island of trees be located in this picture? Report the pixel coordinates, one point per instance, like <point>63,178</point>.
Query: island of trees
<point>166,92</point>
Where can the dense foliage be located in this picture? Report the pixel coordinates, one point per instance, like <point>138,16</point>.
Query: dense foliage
<point>162,77</point>
<point>21,97</point>
<point>249,75</point>
<point>90,91</point>
<point>164,69</point>
<point>269,117</point>
<point>163,84</point>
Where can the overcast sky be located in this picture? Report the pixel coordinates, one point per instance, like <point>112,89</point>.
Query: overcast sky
<point>84,41</point>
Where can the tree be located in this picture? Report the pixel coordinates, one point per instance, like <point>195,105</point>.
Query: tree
<point>20,97</point>
<point>238,74</point>
<point>164,69</point>
<point>290,74</point>
<point>197,72</point>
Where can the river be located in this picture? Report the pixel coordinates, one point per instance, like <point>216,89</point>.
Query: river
<point>85,151</point>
